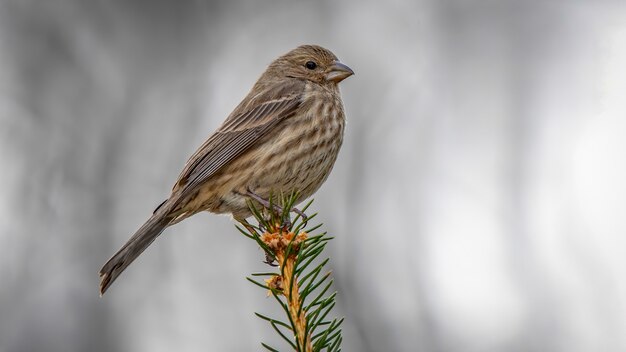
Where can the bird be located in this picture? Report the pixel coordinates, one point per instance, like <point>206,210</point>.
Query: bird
<point>283,137</point>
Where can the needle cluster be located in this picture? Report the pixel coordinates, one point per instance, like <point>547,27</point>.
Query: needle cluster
<point>299,283</point>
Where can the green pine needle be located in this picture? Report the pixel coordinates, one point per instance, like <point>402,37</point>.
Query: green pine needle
<point>314,304</point>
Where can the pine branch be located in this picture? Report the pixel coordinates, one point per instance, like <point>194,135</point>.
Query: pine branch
<point>300,284</point>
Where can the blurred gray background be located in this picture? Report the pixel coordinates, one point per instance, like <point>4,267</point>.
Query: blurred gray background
<point>478,202</point>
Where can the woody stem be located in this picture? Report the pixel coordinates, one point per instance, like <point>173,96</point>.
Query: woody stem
<point>292,295</point>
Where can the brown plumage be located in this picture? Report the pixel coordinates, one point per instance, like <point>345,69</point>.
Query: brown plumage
<point>283,137</point>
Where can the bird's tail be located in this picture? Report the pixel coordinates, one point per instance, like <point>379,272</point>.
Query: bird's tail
<point>146,234</point>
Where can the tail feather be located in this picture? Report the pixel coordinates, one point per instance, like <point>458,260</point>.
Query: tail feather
<point>146,234</point>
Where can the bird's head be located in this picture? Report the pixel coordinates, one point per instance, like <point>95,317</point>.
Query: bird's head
<point>312,63</point>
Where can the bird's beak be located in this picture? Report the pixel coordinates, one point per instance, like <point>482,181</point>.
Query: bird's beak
<point>337,72</point>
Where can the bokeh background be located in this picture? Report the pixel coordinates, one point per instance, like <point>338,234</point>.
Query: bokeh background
<point>478,204</point>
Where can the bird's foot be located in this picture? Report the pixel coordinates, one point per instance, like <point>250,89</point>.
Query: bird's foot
<point>278,209</point>
<point>305,218</point>
<point>270,260</point>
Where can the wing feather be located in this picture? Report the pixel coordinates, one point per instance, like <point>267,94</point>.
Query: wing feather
<point>247,124</point>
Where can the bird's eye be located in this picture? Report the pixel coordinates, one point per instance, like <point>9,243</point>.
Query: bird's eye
<point>310,65</point>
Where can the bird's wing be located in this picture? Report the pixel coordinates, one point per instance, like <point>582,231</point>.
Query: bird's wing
<point>250,121</point>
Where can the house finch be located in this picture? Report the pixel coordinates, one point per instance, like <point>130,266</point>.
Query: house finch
<point>282,138</point>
